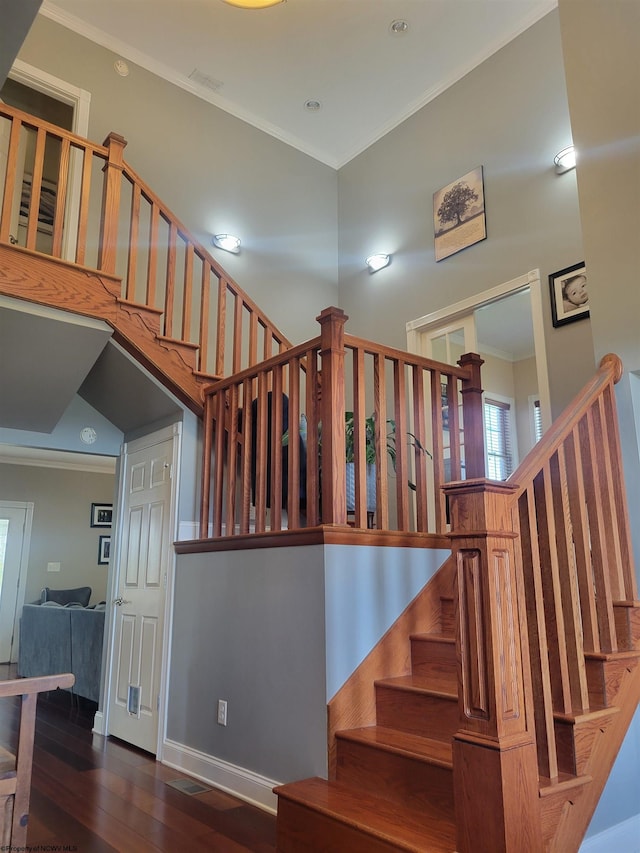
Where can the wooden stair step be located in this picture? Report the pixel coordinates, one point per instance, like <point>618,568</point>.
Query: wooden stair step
<point>409,703</point>
<point>557,796</point>
<point>627,621</point>
<point>406,768</point>
<point>316,815</point>
<point>605,674</point>
<point>447,615</point>
<point>433,656</point>
<point>575,737</point>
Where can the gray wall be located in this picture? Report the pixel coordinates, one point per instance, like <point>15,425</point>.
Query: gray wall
<point>278,632</point>
<point>61,531</point>
<point>509,115</point>
<point>217,173</point>
<point>602,62</point>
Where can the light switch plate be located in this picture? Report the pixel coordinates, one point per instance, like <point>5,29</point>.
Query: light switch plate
<point>53,567</point>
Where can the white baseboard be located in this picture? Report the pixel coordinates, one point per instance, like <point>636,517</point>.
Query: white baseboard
<point>98,723</point>
<point>245,784</point>
<point>623,837</point>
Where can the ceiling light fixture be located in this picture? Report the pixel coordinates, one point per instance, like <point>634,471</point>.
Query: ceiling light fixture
<point>378,262</point>
<point>565,160</point>
<point>312,105</point>
<point>227,242</point>
<point>253,4</point>
<point>398,28</point>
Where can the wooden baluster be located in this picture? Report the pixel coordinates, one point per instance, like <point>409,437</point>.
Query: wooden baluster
<point>277,430</point>
<point>293,452</point>
<point>456,436</point>
<point>400,438</point>
<point>380,420</point>
<point>232,460</point>
<point>152,266</point>
<point>205,297</point>
<point>253,338</point>
<point>83,214</point>
<point>170,281</point>
<point>134,231</point>
<point>10,177</point>
<point>312,406</point>
<point>419,425</point>
<point>221,327</point>
<point>268,342</point>
<point>494,746</point>
<point>220,406</point>
<point>207,442</point>
<point>261,451</point>
<point>437,448</point>
<point>332,408</point>
<point>537,635</point>
<point>361,504</point>
<point>245,512</point>
<point>472,416</point>
<point>108,244</point>
<point>237,334</point>
<point>61,198</point>
<point>187,292</point>
<point>36,189</point>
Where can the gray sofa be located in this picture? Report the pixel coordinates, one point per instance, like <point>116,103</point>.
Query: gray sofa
<point>56,638</point>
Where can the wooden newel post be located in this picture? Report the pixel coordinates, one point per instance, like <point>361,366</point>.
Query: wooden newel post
<point>495,770</point>
<point>472,415</point>
<point>332,406</point>
<point>108,246</point>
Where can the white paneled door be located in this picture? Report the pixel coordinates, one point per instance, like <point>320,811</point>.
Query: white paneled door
<point>15,532</point>
<point>145,549</point>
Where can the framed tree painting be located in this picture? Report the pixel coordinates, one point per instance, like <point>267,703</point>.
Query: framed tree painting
<point>458,214</point>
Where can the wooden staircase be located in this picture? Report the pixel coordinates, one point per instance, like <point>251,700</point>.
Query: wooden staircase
<point>445,765</point>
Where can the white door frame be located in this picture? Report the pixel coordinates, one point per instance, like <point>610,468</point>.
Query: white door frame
<point>415,328</point>
<point>101,719</point>
<point>80,100</point>
<point>24,558</point>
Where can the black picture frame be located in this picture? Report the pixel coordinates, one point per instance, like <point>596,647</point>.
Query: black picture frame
<point>101,515</point>
<point>563,311</point>
<point>104,550</point>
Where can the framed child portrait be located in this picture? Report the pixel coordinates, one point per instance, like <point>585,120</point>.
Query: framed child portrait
<point>569,295</point>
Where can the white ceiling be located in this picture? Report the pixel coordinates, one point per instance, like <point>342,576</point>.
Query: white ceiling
<point>264,65</point>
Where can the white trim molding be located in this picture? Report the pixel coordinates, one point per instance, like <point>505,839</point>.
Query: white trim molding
<point>244,784</point>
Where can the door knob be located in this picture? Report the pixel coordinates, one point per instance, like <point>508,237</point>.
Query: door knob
<point>120,601</point>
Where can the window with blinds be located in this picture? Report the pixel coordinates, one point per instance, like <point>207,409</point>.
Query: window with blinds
<point>537,420</point>
<point>497,426</point>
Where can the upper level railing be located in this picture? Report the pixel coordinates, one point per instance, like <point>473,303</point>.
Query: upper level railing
<point>339,431</point>
<point>71,199</point>
<point>544,576</point>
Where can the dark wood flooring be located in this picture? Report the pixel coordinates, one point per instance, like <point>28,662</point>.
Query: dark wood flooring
<point>91,793</point>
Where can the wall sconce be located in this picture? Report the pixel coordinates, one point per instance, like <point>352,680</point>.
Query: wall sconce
<point>378,262</point>
<point>565,160</point>
<point>227,242</point>
<point>253,4</point>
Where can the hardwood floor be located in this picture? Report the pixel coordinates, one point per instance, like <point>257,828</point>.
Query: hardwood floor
<point>92,794</point>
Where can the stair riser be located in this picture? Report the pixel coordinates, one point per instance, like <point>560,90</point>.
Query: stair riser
<point>448,616</point>
<point>575,744</point>
<point>422,714</point>
<point>402,779</point>
<point>604,679</point>
<point>436,661</point>
<point>301,828</point>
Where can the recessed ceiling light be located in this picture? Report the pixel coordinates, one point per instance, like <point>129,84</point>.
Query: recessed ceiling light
<point>398,28</point>
<point>312,105</point>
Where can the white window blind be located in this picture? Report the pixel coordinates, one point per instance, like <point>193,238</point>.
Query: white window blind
<point>497,427</point>
<point>537,420</point>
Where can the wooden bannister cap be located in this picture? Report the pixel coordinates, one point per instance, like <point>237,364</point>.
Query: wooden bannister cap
<point>612,362</point>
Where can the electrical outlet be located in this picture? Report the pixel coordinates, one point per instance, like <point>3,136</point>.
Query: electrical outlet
<point>222,712</point>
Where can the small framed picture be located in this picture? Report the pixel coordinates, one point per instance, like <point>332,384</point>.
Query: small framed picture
<point>104,550</point>
<point>101,515</point>
<point>569,295</point>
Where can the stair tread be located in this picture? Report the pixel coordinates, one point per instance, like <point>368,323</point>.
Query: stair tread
<point>416,684</point>
<point>626,654</point>
<point>580,716</point>
<point>564,782</point>
<point>435,638</point>
<point>404,828</point>
<point>404,743</point>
